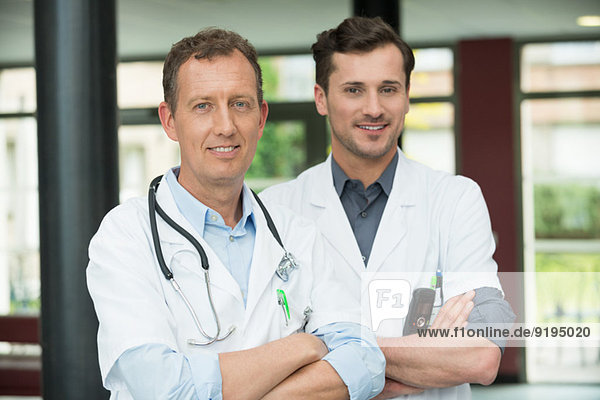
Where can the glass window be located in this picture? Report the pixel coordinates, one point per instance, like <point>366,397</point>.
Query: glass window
<point>428,136</point>
<point>563,166</point>
<point>564,66</point>
<point>561,187</point>
<point>139,84</point>
<point>19,216</point>
<point>288,78</point>
<point>17,90</point>
<point>433,73</point>
<point>565,134</point>
<point>145,152</point>
<point>280,155</point>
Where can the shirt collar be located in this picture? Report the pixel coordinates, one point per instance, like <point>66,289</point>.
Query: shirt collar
<point>199,214</point>
<point>386,179</point>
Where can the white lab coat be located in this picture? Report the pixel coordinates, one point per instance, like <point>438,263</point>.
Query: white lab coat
<point>431,218</point>
<point>137,305</point>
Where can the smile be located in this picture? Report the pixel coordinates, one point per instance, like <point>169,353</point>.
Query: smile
<point>223,149</point>
<point>372,128</point>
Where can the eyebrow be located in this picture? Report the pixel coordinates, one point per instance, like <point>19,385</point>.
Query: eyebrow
<point>358,83</point>
<point>238,96</point>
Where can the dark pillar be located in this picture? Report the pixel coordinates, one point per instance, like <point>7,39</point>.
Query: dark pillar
<point>75,49</point>
<point>488,145</point>
<point>388,10</point>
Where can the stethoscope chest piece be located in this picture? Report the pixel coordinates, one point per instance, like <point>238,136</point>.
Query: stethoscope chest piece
<point>286,265</point>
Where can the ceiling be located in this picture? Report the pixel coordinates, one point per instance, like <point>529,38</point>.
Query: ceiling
<point>147,28</point>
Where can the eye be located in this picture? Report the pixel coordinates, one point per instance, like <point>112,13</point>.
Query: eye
<point>353,90</point>
<point>388,90</point>
<point>202,106</point>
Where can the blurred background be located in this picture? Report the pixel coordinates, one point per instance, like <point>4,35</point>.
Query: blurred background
<point>528,133</point>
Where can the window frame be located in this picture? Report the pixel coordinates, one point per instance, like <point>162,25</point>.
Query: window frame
<point>530,245</point>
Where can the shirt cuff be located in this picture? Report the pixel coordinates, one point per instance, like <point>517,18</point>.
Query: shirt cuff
<point>350,367</point>
<point>206,374</point>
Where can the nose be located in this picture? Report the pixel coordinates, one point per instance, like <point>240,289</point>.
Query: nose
<point>223,123</point>
<point>372,106</point>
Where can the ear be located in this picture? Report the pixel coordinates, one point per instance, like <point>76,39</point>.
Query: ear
<point>167,119</point>
<point>264,112</point>
<point>321,100</point>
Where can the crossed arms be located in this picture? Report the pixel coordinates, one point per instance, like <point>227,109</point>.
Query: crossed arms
<point>418,363</point>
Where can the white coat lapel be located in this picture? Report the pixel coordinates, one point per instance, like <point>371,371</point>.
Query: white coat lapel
<point>393,226</point>
<point>173,243</point>
<point>265,259</point>
<point>332,221</point>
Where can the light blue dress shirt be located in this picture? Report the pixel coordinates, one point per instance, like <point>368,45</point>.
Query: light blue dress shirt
<point>234,247</point>
<point>153,371</point>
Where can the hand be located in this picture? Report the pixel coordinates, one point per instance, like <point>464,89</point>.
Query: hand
<point>455,312</point>
<point>394,389</point>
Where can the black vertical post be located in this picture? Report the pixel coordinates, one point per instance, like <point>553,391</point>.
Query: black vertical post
<point>388,10</point>
<point>75,49</point>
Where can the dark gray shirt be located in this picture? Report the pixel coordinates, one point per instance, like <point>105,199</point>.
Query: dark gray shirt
<point>364,207</point>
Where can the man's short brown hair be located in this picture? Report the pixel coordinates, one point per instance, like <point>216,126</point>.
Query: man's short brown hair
<point>208,43</point>
<point>356,35</point>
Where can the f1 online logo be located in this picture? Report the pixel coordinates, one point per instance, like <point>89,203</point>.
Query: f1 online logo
<point>388,299</point>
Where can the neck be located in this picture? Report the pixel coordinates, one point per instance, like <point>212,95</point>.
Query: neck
<point>224,198</point>
<point>366,170</point>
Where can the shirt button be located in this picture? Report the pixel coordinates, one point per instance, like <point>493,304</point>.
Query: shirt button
<point>213,217</point>
<point>231,238</point>
<point>363,214</point>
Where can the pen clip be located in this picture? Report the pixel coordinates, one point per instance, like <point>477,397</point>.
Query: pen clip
<point>282,301</point>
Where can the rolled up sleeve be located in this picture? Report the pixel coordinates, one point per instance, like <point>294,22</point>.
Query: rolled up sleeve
<point>355,356</point>
<point>154,371</point>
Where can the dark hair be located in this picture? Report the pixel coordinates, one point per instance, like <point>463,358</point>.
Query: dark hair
<point>356,35</point>
<point>208,43</point>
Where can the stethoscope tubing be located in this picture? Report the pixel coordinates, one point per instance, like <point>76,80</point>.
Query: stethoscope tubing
<point>153,209</point>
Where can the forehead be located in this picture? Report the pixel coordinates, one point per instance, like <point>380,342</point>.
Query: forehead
<point>382,63</point>
<point>232,72</point>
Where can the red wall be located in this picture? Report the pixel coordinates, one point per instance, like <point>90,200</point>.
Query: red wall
<point>487,148</point>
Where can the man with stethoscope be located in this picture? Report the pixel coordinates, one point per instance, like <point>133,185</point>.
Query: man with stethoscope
<point>382,213</point>
<point>200,291</point>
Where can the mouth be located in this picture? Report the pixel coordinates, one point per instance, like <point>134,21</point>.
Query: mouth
<point>223,149</point>
<point>372,128</point>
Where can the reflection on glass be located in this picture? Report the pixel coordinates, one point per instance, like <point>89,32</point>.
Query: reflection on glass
<point>288,78</point>
<point>428,135</point>
<point>139,84</point>
<point>433,74</point>
<point>563,66</point>
<point>19,218</point>
<point>145,152</point>
<point>17,90</point>
<point>280,155</point>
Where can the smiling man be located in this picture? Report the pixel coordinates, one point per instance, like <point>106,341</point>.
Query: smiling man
<point>207,301</point>
<point>383,213</point>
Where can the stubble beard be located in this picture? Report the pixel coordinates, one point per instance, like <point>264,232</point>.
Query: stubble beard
<point>352,146</point>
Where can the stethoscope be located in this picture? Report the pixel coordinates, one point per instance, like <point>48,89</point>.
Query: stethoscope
<point>287,263</point>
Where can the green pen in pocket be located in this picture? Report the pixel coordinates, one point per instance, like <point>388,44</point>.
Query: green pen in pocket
<point>282,301</point>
